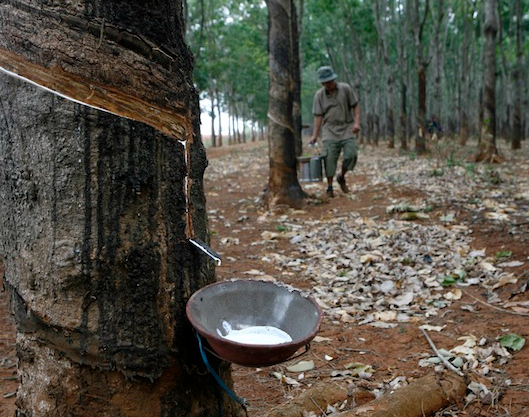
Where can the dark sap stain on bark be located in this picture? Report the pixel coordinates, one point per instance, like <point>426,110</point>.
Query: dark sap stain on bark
<point>127,272</point>
<point>130,327</point>
<point>132,226</point>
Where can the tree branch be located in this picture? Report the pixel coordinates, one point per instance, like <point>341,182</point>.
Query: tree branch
<point>440,356</point>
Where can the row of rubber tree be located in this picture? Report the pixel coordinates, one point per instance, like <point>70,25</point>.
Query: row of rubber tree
<point>415,64</point>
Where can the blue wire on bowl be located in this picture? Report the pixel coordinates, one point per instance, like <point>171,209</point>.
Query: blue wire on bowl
<point>221,383</point>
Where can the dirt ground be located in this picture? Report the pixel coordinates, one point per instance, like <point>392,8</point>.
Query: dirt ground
<point>393,352</point>
<point>236,216</point>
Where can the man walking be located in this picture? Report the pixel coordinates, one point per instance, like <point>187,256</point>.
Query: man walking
<point>337,116</point>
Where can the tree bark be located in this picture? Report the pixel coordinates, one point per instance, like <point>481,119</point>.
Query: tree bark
<point>212,116</point>
<point>296,73</point>
<point>418,23</point>
<point>403,116</point>
<point>517,126</point>
<point>490,152</point>
<point>420,142</point>
<point>439,42</point>
<point>380,20</point>
<point>98,207</point>
<point>464,98</point>
<point>283,185</point>
<point>219,115</point>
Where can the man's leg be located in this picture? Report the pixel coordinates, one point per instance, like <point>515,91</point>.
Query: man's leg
<point>341,180</point>
<point>350,156</point>
<point>332,152</point>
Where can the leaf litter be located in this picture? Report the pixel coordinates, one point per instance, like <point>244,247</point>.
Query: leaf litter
<point>408,269</point>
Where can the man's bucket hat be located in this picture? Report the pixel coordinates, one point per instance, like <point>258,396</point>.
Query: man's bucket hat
<point>326,74</point>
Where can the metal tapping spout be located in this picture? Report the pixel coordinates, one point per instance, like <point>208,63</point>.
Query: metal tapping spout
<point>207,250</point>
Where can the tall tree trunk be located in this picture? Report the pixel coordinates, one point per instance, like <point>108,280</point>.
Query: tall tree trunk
<point>98,207</point>
<point>403,116</point>
<point>380,20</point>
<point>296,72</point>
<point>418,24</point>
<point>391,112</point>
<point>219,114</point>
<point>402,59</point>
<point>464,97</point>
<point>490,151</point>
<point>230,126</point>
<point>212,117</point>
<point>244,119</point>
<point>504,88</point>
<point>236,123</point>
<point>377,128</point>
<point>420,142</point>
<point>517,130</point>
<point>439,51</point>
<point>283,185</point>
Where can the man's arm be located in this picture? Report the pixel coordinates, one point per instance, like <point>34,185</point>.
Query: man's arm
<point>356,113</point>
<point>317,128</point>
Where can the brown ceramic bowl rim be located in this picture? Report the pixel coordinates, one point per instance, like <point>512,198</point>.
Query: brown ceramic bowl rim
<point>211,335</point>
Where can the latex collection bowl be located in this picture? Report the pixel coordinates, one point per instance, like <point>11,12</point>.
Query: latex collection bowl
<point>245,303</point>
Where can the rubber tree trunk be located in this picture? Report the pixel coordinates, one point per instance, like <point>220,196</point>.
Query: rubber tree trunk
<point>420,143</point>
<point>296,72</point>
<point>381,13</point>
<point>403,115</point>
<point>489,81</point>
<point>517,124</point>
<point>283,185</point>
<point>439,50</point>
<point>421,63</point>
<point>465,87</point>
<point>97,208</point>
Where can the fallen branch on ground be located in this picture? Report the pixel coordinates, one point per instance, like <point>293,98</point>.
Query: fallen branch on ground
<point>422,398</point>
<point>503,310</point>
<point>440,356</point>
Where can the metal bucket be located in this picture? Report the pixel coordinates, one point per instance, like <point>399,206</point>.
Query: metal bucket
<point>310,168</point>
